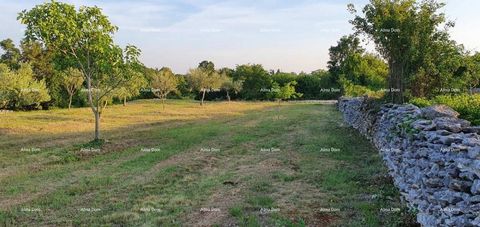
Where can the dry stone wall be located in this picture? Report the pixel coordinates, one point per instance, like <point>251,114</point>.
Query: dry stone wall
<point>432,155</point>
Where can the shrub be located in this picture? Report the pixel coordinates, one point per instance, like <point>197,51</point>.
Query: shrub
<point>421,102</point>
<point>467,105</point>
<point>19,89</point>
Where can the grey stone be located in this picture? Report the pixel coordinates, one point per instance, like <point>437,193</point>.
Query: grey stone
<point>435,111</point>
<point>460,186</point>
<point>448,140</point>
<point>475,189</point>
<point>471,142</point>
<point>474,199</point>
<point>473,129</point>
<point>451,124</point>
<point>426,220</point>
<point>474,152</point>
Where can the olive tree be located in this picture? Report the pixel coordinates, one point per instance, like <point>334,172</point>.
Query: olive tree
<point>203,80</point>
<point>164,82</point>
<point>229,84</point>
<point>72,80</point>
<point>82,38</point>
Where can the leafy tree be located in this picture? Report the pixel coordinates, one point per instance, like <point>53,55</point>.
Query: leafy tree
<point>207,66</point>
<point>231,85</point>
<point>132,88</point>
<point>404,33</point>
<point>283,78</point>
<point>284,92</point>
<point>83,38</point>
<point>343,56</point>
<point>352,68</point>
<point>11,56</point>
<point>203,80</point>
<point>164,82</point>
<point>318,85</point>
<point>72,80</point>
<point>42,62</point>
<point>257,81</point>
<point>19,88</point>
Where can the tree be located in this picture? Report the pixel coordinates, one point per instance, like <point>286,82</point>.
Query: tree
<point>83,38</point>
<point>164,82</point>
<point>203,80</point>
<point>403,32</point>
<point>207,66</point>
<point>284,92</point>
<point>344,55</point>
<point>11,55</point>
<point>43,66</point>
<point>19,89</point>
<point>229,84</point>
<point>354,69</point>
<point>132,88</point>
<point>257,81</point>
<point>72,80</point>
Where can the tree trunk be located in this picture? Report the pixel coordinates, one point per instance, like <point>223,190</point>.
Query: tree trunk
<point>228,96</point>
<point>203,97</point>
<point>97,125</point>
<point>92,106</point>
<point>124,101</point>
<point>395,82</point>
<point>70,102</point>
<point>163,103</point>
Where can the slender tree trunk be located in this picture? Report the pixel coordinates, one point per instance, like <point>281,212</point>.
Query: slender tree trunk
<point>228,96</point>
<point>97,124</point>
<point>96,110</point>
<point>163,103</point>
<point>70,102</point>
<point>395,82</point>
<point>203,97</point>
<point>124,101</point>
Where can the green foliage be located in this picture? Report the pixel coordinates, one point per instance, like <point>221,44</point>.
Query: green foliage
<point>357,72</point>
<point>83,39</point>
<point>467,105</point>
<point>11,56</point>
<point>257,81</point>
<point>318,85</point>
<point>408,35</point>
<point>164,82</point>
<point>72,80</point>
<point>231,85</point>
<point>132,88</point>
<point>204,80</point>
<point>420,102</point>
<point>19,89</point>
<point>284,92</point>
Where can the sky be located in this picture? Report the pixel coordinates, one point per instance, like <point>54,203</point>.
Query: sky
<point>290,35</point>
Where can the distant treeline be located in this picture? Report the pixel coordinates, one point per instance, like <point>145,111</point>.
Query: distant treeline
<point>414,57</point>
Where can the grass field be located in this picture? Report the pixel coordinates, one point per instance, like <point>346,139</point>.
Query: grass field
<point>225,164</point>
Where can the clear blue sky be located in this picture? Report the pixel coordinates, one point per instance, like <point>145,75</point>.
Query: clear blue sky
<point>290,35</point>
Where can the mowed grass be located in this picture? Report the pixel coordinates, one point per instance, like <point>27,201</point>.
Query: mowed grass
<point>239,163</point>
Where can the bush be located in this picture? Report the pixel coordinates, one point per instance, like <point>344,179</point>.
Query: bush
<point>421,102</point>
<point>467,105</point>
<point>18,89</point>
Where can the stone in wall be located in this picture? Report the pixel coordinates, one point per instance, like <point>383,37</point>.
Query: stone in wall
<point>432,155</point>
